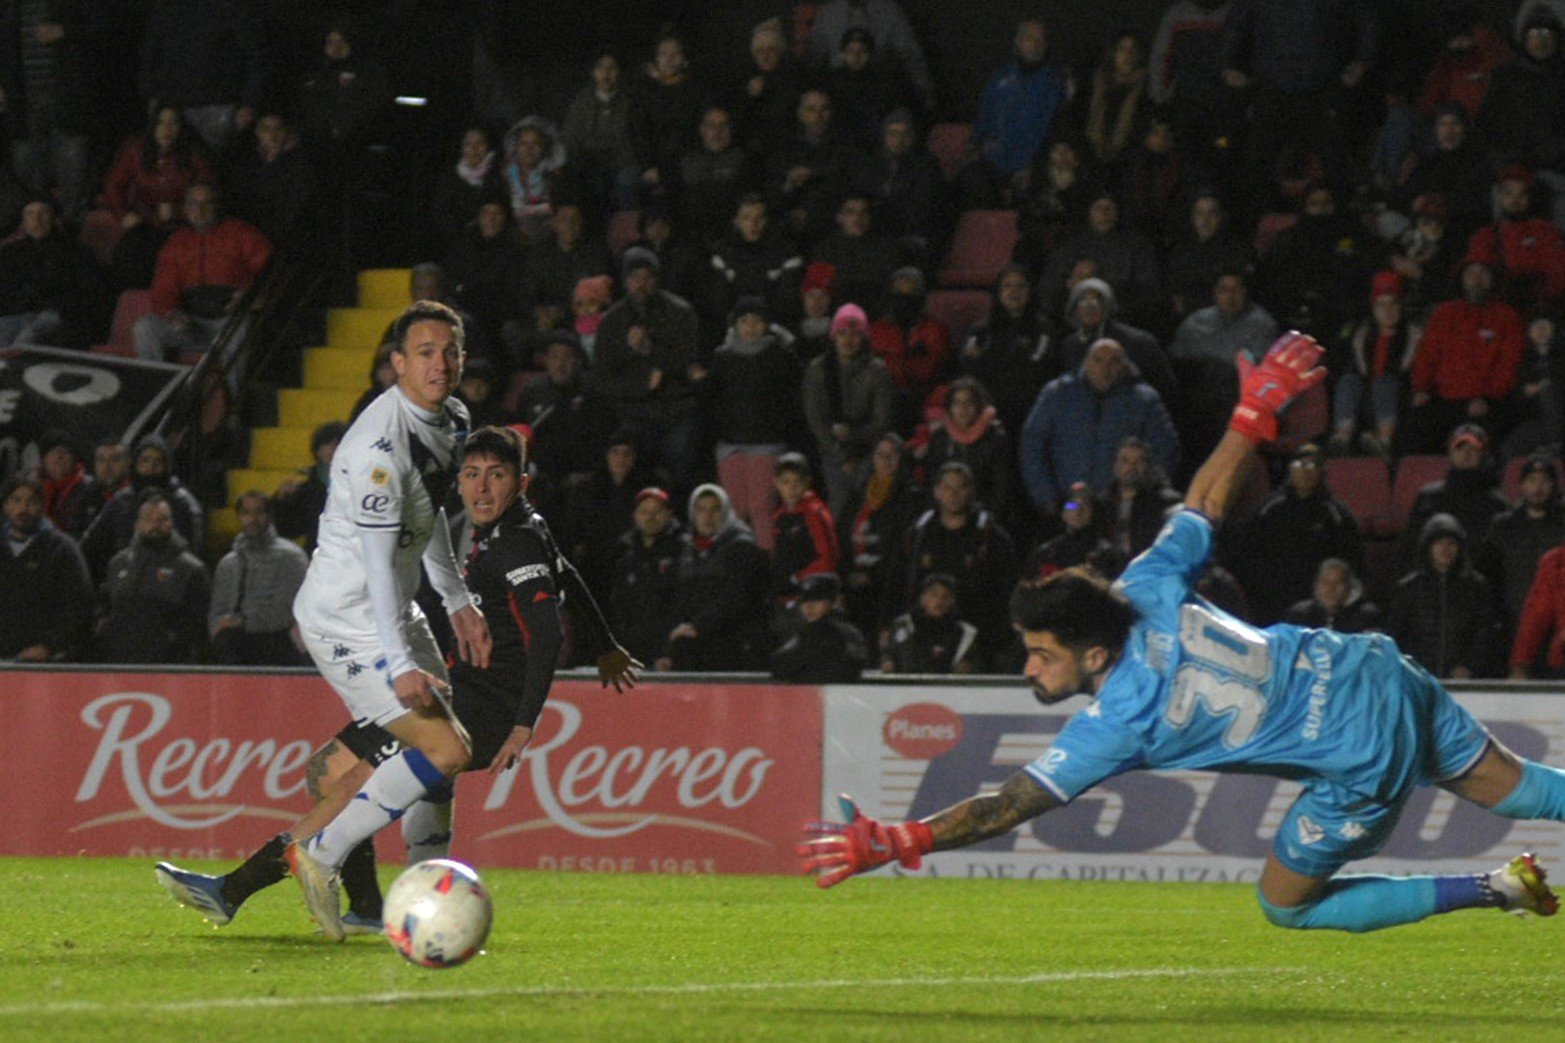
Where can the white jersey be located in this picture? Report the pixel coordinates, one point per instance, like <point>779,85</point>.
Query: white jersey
<point>392,470</point>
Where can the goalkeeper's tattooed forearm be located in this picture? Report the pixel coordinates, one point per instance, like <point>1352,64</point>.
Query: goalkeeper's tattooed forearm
<point>991,814</point>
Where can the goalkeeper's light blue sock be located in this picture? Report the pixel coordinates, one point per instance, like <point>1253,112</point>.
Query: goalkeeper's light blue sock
<point>394,786</point>
<point>1539,794</point>
<point>1367,902</point>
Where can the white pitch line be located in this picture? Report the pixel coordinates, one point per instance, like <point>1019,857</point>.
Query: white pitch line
<point>547,991</point>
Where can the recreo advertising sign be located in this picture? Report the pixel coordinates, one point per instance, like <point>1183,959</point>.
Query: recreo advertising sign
<point>909,752</point>
<point>668,778</point>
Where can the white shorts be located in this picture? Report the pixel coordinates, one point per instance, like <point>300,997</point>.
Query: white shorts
<point>358,671</point>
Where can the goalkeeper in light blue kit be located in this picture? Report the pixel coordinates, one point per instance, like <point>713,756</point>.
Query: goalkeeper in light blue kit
<point>1178,683</point>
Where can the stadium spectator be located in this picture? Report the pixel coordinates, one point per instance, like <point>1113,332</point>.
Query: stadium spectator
<point>1079,421</point>
<point>865,86</point>
<point>202,270</point>
<point>647,367</point>
<point>115,526</point>
<point>768,90</point>
<point>300,498</point>
<point>1080,543</point>
<point>643,581</point>
<point>145,190</point>
<point>1525,250</point>
<point>755,412</point>
<point>1138,501</point>
<point>1153,176</point>
<point>110,474</point>
<point>463,187</point>
<point>1457,171</point>
<point>1186,75</point>
<point>806,167</point>
<point>1471,55</point>
<point>886,23</point>
<point>1018,109</point>
<point>565,255</point>
<point>1469,489</point>
<point>1538,650</point>
<point>153,600</point>
<point>1061,184</point>
<point>1468,364</point>
<point>1316,268</point>
<point>712,176</point>
<point>531,174</point>
<point>812,329</point>
<point>1441,614</point>
<point>879,512</point>
<point>342,100</point>
<point>824,648</point>
<point>681,257</point>
<point>849,402</point>
<point>1208,249</point>
<point>590,298</point>
<point>752,260</point>
<point>930,638</point>
<point>570,421</point>
<point>1523,114</point>
<point>960,537</point>
<point>207,59</point>
<point>1120,256</point>
<point>45,593</point>
<point>862,258</point>
<point>1337,601</point>
<point>970,431</point>
<point>665,108</point>
<point>1278,550</point>
<point>1425,255</point>
<point>272,186</point>
<point>1537,408</point>
<point>599,510</point>
<point>486,269</point>
<point>1518,537</point>
<point>596,136</point>
<point>1377,354</point>
<point>915,346</point>
<point>1092,312</point>
<point>64,481</point>
<point>1014,351</point>
<point>721,597</point>
<point>1116,106</point>
<point>1205,348</point>
<point>250,615</point>
<point>903,182</point>
<point>50,291</point>
<point>804,533</point>
<point>50,105</point>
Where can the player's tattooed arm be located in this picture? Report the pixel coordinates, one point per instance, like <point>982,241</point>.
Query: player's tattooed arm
<point>318,767</point>
<point>991,814</point>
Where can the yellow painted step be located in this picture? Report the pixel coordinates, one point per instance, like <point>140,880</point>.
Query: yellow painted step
<point>342,368</point>
<point>279,448</point>
<point>242,479</point>
<point>385,288</point>
<point>358,327</point>
<point>311,407</point>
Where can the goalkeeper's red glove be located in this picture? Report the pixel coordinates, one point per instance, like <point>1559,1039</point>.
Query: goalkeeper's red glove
<point>1288,370</point>
<point>834,851</point>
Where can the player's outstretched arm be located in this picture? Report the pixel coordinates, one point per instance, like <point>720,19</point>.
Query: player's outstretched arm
<point>616,666</point>
<point>834,851</point>
<point>1288,370</point>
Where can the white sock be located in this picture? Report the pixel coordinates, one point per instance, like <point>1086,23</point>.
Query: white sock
<point>394,786</point>
<point>426,829</point>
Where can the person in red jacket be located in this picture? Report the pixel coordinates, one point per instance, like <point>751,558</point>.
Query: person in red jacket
<point>1541,628</point>
<point>201,272</point>
<point>1526,251</point>
<point>1468,364</point>
<point>915,347</point>
<point>804,533</point>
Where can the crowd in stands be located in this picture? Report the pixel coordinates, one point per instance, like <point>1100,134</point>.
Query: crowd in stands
<point>760,419</point>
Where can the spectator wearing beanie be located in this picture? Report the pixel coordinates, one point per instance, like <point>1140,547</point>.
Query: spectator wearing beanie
<point>849,402</point>
<point>826,648</point>
<point>816,292</point>
<point>1368,396</point>
<point>1526,251</point>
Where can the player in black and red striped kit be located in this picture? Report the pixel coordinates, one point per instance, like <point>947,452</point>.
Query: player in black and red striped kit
<point>518,578</point>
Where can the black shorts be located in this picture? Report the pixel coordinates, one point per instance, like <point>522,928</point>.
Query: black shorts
<point>486,716</point>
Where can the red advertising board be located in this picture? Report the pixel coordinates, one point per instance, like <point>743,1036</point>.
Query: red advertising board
<point>669,778</point>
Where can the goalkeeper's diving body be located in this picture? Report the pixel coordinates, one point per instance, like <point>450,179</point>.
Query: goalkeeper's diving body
<point>1179,684</point>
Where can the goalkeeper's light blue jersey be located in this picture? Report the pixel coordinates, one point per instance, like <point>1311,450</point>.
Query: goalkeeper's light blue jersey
<point>1199,688</point>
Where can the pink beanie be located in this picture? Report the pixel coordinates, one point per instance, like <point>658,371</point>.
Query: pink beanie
<point>849,317</point>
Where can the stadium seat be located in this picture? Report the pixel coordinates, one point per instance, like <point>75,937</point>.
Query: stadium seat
<point>624,229</point>
<point>100,234</point>
<point>982,245</point>
<point>948,144</point>
<point>1511,480</point>
<point>132,305</point>
<point>1363,483</point>
<point>1413,473</point>
<point>1269,228</point>
<point>959,309</point>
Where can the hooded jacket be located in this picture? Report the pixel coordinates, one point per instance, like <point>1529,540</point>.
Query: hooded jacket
<point>723,592</point>
<point>1142,348</point>
<point>155,598</point>
<point>1443,621</point>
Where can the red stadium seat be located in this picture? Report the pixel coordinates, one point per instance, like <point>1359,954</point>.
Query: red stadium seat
<point>624,229</point>
<point>959,309</point>
<point>132,305</point>
<point>982,245</point>
<point>948,144</point>
<point>1363,483</point>
<point>1413,473</point>
<point>1269,228</point>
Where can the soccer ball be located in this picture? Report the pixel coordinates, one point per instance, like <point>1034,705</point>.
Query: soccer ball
<point>438,914</point>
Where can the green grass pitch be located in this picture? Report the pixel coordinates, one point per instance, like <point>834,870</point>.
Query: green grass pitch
<point>93,949</point>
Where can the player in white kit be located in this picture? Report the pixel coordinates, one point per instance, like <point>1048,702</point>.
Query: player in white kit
<point>355,610</point>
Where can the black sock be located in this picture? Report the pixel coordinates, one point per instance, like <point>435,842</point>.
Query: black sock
<point>359,880</point>
<point>258,872</point>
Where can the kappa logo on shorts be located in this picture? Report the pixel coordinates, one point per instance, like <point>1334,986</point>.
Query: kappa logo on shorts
<point>1351,831</point>
<point>1309,832</point>
<point>383,444</point>
<point>341,651</point>
<point>354,669</point>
